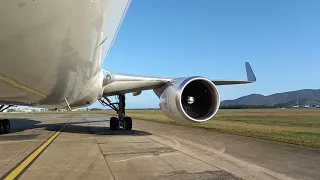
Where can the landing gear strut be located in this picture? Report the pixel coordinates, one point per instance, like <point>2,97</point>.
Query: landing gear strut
<point>4,123</point>
<point>122,120</point>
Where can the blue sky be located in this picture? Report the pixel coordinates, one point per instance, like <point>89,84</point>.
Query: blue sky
<point>213,39</point>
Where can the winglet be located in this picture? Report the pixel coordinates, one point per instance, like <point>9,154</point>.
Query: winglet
<point>250,75</point>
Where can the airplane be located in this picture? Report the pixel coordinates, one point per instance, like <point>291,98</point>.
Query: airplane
<point>51,56</point>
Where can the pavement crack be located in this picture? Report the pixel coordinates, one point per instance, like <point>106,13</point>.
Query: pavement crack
<point>105,160</point>
<point>184,153</point>
<point>147,156</point>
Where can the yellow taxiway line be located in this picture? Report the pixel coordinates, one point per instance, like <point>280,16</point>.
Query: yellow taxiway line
<point>32,157</point>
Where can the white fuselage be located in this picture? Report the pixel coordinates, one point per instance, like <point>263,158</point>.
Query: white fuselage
<point>52,51</point>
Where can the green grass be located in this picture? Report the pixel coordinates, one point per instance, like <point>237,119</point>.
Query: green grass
<point>295,126</point>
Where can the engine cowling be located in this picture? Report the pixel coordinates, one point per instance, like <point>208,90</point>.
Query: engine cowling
<point>194,99</point>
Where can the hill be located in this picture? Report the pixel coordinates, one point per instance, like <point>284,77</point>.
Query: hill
<point>288,98</point>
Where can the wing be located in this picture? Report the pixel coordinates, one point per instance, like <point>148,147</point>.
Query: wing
<point>250,78</point>
<point>119,83</point>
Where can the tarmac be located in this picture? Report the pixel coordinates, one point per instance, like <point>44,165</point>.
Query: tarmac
<point>81,146</point>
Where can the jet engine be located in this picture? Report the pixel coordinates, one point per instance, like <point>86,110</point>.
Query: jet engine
<point>193,99</point>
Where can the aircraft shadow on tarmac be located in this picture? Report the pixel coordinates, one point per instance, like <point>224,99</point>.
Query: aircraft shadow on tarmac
<point>21,124</point>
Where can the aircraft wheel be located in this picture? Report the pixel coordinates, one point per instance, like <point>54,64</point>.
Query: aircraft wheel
<point>128,121</point>
<point>6,126</point>
<point>1,126</point>
<point>114,123</point>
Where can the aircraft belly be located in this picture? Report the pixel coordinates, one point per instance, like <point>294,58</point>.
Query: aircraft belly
<point>50,50</point>
<point>12,95</point>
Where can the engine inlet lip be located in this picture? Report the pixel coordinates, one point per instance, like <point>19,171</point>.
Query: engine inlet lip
<point>178,99</point>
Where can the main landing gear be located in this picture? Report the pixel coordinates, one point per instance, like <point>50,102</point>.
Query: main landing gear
<point>121,120</point>
<point>4,123</point>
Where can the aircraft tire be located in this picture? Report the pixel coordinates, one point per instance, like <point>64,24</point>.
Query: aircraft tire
<point>1,126</point>
<point>6,126</point>
<point>128,121</point>
<point>114,123</point>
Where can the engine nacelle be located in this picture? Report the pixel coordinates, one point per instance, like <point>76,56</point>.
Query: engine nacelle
<point>194,99</point>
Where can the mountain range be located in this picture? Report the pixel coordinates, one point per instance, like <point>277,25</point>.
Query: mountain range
<point>291,97</point>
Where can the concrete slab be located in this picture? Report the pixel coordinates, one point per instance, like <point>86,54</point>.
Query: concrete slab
<point>87,149</point>
<point>73,155</point>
